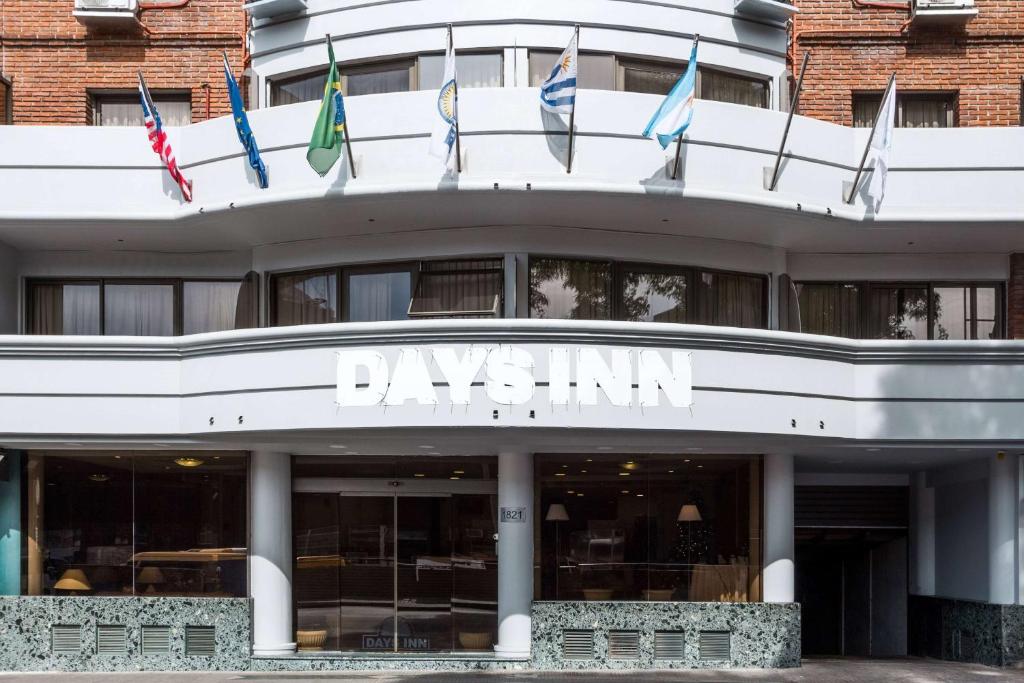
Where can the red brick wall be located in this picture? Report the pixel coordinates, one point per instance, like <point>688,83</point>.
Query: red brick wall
<point>54,61</point>
<point>854,48</point>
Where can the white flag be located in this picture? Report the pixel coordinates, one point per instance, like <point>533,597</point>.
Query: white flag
<point>446,112</point>
<point>881,143</point>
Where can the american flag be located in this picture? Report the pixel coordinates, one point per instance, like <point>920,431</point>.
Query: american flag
<point>158,138</point>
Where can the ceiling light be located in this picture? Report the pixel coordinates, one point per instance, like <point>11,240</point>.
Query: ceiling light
<point>699,467</point>
<point>99,477</point>
<point>428,447</point>
<point>454,478</point>
<point>338,445</point>
<point>188,462</point>
<point>639,495</point>
<point>419,474</point>
<point>590,460</point>
<point>671,471</point>
<point>623,474</point>
<point>579,495</point>
<point>458,471</point>
<point>687,460</point>
<point>570,491</point>
<point>583,471</point>
<point>625,490</point>
<point>564,467</point>
<point>559,474</point>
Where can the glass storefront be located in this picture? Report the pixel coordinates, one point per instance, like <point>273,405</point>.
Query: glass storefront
<point>395,554</point>
<point>649,527</point>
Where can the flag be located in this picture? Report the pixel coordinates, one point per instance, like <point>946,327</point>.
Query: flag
<point>676,111</point>
<point>558,92</point>
<point>446,120</point>
<point>245,135</point>
<point>325,146</point>
<point>158,138</point>
<point>881,143</point>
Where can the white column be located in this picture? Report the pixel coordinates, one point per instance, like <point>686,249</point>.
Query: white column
<point>1002,529</point>
<point>270,564</point>
<point>778,528</point>
<point>922,536</point>
<point>515,553</point>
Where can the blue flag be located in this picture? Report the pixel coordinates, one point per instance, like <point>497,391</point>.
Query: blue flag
<point>245,135</point>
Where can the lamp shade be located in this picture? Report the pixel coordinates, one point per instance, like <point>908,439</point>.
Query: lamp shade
<point>150,575</point>
<point>556,513</point>
<point>73,580</point>
<point>689,513</point>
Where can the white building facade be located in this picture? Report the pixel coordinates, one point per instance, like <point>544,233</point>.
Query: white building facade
<point>646,414</point>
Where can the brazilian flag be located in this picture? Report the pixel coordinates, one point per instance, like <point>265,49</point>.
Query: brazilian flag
<point>325,146</point>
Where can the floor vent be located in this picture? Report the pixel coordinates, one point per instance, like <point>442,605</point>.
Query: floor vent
<point>577,644</point>
<point>624,645</point>
<point>199,641</point>
<point>156,640</point>
<point>66,639</point>
<point>669,645</point>
<point>715,646</point>
<point>111,639</point>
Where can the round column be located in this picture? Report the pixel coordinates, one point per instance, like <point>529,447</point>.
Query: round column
<point>1002,529</point>
<point>778,577</point>
<point>270,567</point>
<point>515,553</point>
<point>922,537</point>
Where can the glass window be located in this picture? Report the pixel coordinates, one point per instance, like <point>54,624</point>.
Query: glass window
<point>305,88</point>
<point>652,296</point>
<point>377,294</point>
<point>730,299</point>
<point>649,527</point>
<point>913,110</point>
<point>832,309</point>
<point>125,109</point>
<point>209,306</point>
<point>374,79</point>
<point>305,298</point>
<point>138,309</point>
<point>965,312</point>
<point>459,289</point>
<point>596,71</point>
<point>725,87</point>
<point>121,524</point>
<point>649,77</point>
<point>63,308</point>
<point>475,70</point>
<point>6,110</point>
<point>570,290</point>
<point>898,312</point>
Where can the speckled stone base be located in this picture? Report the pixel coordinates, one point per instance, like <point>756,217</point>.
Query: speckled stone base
<point>967,631</point>
<point>762,635</point>
<point>26,623</point>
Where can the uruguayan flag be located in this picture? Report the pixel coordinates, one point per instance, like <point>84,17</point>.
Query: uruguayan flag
<point>446,116</point>
<point>675,113</point>
<point>558,92</point>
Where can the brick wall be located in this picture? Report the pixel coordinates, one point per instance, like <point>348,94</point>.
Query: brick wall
<point>54,61</point>
<point>857,48</point>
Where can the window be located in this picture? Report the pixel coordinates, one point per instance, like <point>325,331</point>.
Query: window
<point>125,109</point>
<point>122,524</point>
<point>730,299</point>
<point>140,308</point>
<point>305,298</point>
<point>655,295</point>
<point>459,289</point>
<point>378,293</point>
<point>483,70</point>
<point>913,110</point>
<point>570,290</point>
<point>6,102</point>
<point>894,311</point>
<point>596,71</point>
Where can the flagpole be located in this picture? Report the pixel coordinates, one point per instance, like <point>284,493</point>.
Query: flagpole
<point>348,142</point>
<point>679,140</point>
<point>455,94</point>
<point>793,107</point>
<point>871,137</point>
<point>572,112</point>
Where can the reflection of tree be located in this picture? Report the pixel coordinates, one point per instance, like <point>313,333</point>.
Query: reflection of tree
<point>912,305</point>
<point>639,289</point>
<point>591,282</point>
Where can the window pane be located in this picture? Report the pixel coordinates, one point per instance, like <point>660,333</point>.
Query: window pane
<point>730,300</point>
<point>64,308</point>
<point>373,81</point>
<point>475,71</point>
<point>965,313</point>
<point>925,112</point>
<point>209,306</point>
<point>654,297</point>
<point>126,110</point>
<point>724,87</point>
<point>378,296</point>
<point>190,527</point>
<point>5,94</point>
<point>578,290</point>
<point>459,289</point>
<point>988,313</point>
<point>865,109</point>
<point>302,89</point>
<point>146,310</point>
<point>306,298</point>
<point>596,72</point>
<point>898,313</point>
<point>830,309</point>
<point>650,78</point>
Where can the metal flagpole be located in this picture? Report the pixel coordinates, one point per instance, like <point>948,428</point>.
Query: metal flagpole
<point>679,140</point>
<point>455,95</point>
<point>793,107</point>
<point>572,112</point>
<point>871,137</point>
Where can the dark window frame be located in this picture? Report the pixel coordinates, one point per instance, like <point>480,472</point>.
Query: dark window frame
<point>8,85</point>
<point>951,98</point>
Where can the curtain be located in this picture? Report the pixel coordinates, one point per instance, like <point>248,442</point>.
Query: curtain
<point>596,72</point>
<point>302,89</point>
<point>46,309</point>
<point>209,306</point>
<point>126,110</point>
<point>925,111</point>
<point>247,308</point>
<point>143,310</point>
<point>650,78</point>
<point>378,296</point>
<point>730,300</point>
<point>475,71</point>
<point>865,109</point>
<point>460,289</point>
<point>379,80</point>
<point>724,87</point>
<point>573,290</point>
<point>305,299</point>
<point>832,309</point>
<point>654,297</point>
<point>64,309</point>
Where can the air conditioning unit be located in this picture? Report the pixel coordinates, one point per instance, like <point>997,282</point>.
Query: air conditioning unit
<point>267,9</point>
<point>106,12</point>
<point>942,11</point>
<point>775,10</point>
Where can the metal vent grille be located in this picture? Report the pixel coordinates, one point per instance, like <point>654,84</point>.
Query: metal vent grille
<point>111,640</point>
<point>156,640</point>
<point>66,639</point>
<point>624,644</point>
<point>669,645</point>
<point>577,644</point>
<point>715,645</point>
<point>199,641</point>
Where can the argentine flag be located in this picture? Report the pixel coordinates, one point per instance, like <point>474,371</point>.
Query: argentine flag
<point>446,112</point>
<point>675,113</point>
<point>558,92</point>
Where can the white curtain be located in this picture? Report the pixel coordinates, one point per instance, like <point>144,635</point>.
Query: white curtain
<point>144,310</point>
<point>378,296</point>
<point>209,306</point>
<point>81,314</point>
<point>475,71</point>
<point>125,110</point>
